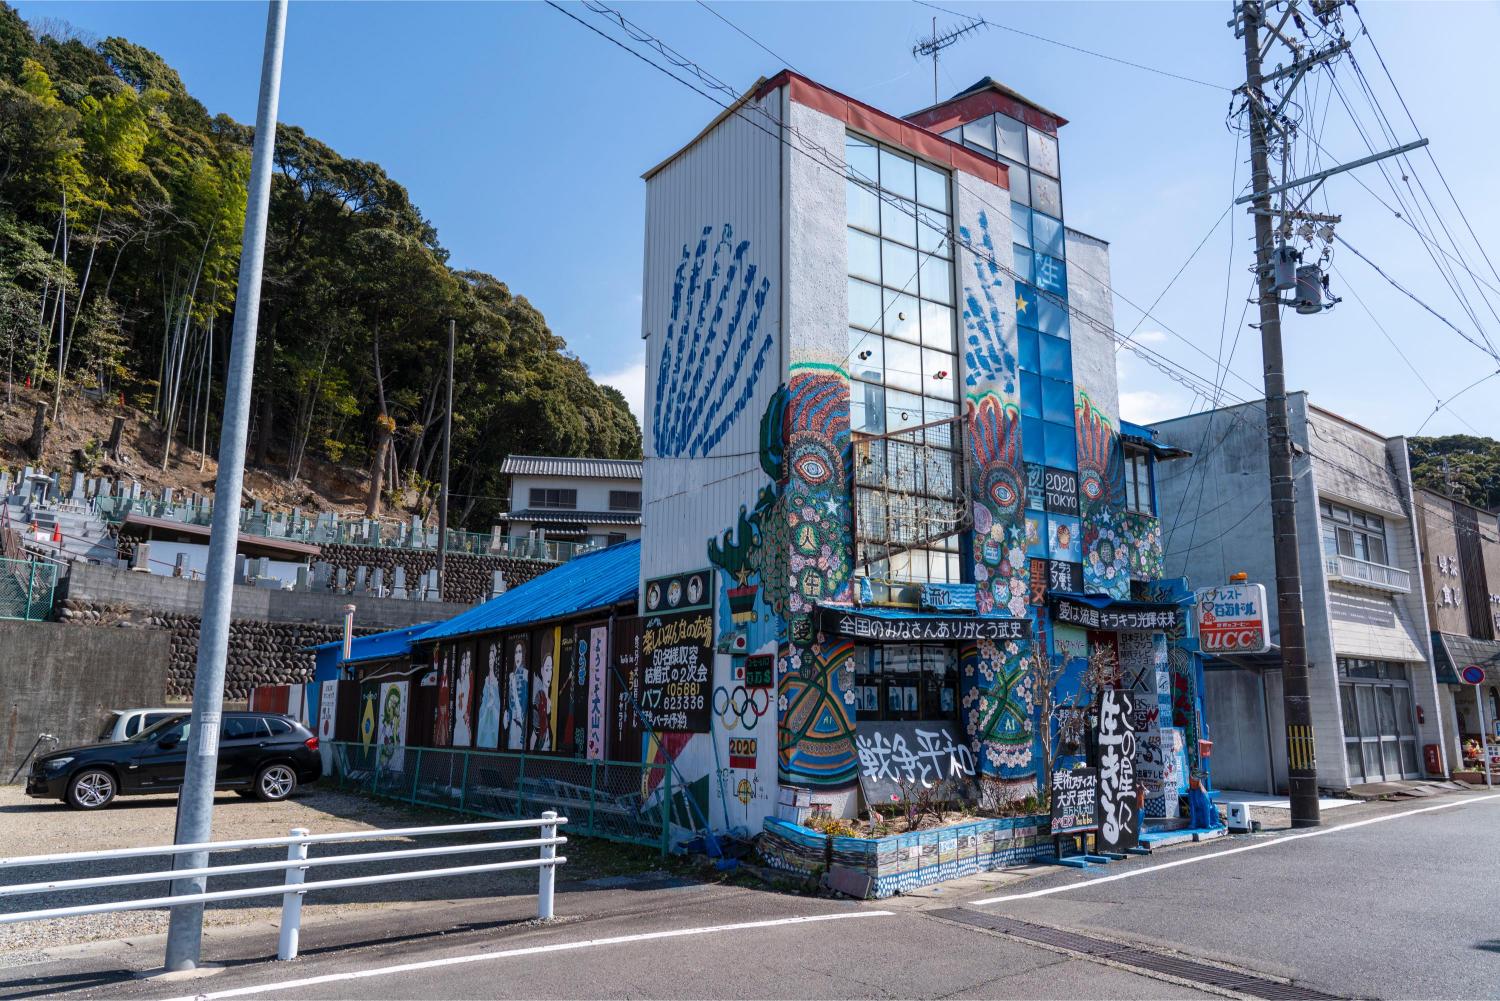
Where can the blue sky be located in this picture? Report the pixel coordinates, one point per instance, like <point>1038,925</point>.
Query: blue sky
<point>522,136</point>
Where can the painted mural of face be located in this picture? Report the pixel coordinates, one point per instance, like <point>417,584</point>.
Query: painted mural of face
<point>997,452</point>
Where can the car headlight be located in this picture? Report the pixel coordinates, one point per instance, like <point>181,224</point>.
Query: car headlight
<point>56,764</point>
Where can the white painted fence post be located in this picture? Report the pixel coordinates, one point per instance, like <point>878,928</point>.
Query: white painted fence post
<point>547,874</point>
<point>291,903</point>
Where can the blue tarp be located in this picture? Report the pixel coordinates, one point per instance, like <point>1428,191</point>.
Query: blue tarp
<point>592,582</point>
<point>378,646</point>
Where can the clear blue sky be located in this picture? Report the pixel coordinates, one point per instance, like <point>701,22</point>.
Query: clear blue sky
<point>522,136</point>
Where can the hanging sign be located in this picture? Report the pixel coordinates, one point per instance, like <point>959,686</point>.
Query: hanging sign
<point>1115,618</point>
<point>931,628</point>
<point>1232,619</point>
<point>1075,799</point>
<point>1119,819</point>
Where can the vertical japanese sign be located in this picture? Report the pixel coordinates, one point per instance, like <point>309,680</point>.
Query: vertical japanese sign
<point>1119,818</point>
<point>598,641</point>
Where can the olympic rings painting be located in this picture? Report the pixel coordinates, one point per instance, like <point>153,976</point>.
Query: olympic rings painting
<point>740,706</point>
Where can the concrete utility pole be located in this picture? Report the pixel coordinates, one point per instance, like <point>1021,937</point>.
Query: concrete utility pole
<point>442,553</point>
<point>1250,19</point>
<point>195,804</point>
<point>1302,767</point>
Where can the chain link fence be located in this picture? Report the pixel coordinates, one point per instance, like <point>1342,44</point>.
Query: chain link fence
<point>616,800</point>
<point>26,589</point>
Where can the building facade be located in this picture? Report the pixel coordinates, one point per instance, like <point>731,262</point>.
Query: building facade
<point>1374,693</point>
<point>586,501</point>
<point>882,409</point>
<point>1461,577</point>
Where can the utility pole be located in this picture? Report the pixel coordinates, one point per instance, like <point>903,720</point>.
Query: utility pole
<point>1302,769</point>
<point>1263,109</point>
<point>196,802</point>
<point>442,554</point>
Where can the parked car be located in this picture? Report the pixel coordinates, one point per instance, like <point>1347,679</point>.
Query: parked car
<point>125,723</point>
<point>264,755</point>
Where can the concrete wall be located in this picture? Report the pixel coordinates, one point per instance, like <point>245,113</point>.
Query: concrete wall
<point>1093,343</point>
<point>62,680</point>
<point>109,586</point>
<point>1234,702</point>
<point>593,491</point>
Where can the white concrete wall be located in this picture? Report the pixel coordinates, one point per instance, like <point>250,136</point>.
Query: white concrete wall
<point>1093,345</point>
<point>593,492</point>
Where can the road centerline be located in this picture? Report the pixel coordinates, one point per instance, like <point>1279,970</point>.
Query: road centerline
<point>1269,843</point>
<point>532,950</point>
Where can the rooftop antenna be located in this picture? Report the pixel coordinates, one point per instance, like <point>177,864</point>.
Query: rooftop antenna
<point>937,43</point>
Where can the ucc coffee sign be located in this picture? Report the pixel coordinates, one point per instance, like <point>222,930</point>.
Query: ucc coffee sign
<point>1232,619</point>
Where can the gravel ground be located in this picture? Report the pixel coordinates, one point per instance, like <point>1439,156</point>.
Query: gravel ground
<point>36,827</point>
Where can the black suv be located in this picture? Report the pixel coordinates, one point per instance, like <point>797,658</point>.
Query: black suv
<point>260,754</point>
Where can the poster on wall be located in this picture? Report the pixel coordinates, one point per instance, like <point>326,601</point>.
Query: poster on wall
<point>1075,797</point>
<point>1119,816</point>
<point>369,696</point>
<point>899,760</point>
<point>392,726</point>
<point>463,697</point>
<point>487,733</point>
<point>623,680</point>
<point>1062,490</point>
<point>442,711</point>
<point>517,695</point>
<point>543,676</point>
<point>594,651</point>
<point>328,711</point>
<point>567,734</point>
<point>675,677</point>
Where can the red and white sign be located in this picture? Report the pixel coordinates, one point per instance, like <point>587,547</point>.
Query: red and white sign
<point>1232,619</point>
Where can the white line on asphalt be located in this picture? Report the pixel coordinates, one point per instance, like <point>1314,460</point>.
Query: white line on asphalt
<point>1231,851</point>
<point>533,950</point>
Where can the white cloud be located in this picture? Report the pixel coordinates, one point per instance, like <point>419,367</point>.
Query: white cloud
<point>1149,336</point>
<point>1143,406</point>
<point>631,381</point>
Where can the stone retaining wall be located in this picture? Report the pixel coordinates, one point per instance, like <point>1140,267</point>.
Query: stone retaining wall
<point>469,578</point>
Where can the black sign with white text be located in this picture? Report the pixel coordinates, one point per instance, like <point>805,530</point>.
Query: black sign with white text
<point>1075,799</point>
<point>1062,490</point>
<point>853,624</point>
<point>1119,817</point>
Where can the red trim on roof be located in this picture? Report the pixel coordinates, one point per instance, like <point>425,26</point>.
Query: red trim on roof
<point>945,116</point>
<point>887,127</point>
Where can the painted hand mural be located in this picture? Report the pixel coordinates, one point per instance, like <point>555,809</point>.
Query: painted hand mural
<point>989,360</point>
<point>1101,500</point>
<point>714,352</point>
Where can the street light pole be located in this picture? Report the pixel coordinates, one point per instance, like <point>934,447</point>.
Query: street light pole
<point>442,553</point>
<point>195,804</point>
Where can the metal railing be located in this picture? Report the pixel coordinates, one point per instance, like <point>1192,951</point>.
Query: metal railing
<point>296,865</point>
<point>1376,575</point>
<point>631,802</point>
<point>27,588</point>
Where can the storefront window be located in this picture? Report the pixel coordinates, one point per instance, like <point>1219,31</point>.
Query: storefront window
<point>906,682</point>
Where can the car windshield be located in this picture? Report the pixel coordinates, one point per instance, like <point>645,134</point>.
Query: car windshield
<point>156,731</point>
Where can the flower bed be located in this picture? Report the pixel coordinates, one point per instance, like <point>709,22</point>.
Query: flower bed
<point>902,862</point>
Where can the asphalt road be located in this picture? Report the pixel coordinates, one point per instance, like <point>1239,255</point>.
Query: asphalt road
<point>1401,904</point>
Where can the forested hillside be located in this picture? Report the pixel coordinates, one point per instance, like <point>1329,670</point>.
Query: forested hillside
<point>121,205</point>
<point>1463,465</point>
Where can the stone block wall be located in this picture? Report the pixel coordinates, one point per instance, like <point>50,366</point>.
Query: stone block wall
<point>469,577</point>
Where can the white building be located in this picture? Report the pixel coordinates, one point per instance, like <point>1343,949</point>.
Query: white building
<point>588,501</point>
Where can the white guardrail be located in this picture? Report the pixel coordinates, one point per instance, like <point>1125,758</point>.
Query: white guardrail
<point>296,865</point>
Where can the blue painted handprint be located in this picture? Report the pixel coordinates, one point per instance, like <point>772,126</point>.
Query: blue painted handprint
<point>712,356</point>
<point>988,360</point>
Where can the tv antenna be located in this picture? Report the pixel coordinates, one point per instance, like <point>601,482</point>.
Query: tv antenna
<point>931,46</point>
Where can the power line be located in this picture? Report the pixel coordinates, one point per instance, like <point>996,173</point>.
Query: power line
<point>1075,48</point>
<point>761,45</point>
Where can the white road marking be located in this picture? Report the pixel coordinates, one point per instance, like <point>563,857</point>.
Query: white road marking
<point>1127,874</point>
<point>430,964</point>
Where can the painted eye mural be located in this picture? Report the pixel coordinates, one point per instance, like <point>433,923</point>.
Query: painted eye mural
<point>816,500</point>
<point>997,452</point>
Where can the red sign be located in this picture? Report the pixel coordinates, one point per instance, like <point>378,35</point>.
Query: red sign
<point>1232,619</point>
<point>742,752</point>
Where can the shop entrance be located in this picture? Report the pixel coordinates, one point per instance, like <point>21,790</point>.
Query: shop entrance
<point>906,681</point>
<point>1380,733</point>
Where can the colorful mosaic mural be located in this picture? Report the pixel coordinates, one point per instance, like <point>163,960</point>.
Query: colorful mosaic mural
<point>1101,499</point>
<point>816,700</point>
<point>999,715</point>
<point>1143,543</point>
<point>816,499</point>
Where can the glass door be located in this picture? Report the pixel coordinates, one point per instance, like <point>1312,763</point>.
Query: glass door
<point>1380,739</point>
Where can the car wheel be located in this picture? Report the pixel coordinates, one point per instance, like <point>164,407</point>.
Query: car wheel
<point>91,789</point>
<point>275,783</point>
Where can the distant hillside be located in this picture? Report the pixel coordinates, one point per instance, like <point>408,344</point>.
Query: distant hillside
<point>1473,467</point>
<point>121,206</point>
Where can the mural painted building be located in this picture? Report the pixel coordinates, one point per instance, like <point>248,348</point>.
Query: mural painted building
<point>882,410</point>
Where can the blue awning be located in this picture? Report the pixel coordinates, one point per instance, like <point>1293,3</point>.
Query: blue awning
<point>593,582</point>
<point>377,646</point>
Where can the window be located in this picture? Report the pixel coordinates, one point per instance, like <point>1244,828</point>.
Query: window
<point>902,352</point>
<point>1138,483</point>
<point>554,497</point>
<point>279,726</point>
<point>244,728</point>
<point>1355,534</point>
<point>624,500</point>
<point>906,682</point>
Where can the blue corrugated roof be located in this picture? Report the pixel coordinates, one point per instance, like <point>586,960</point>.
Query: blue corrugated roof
<point>594,581</point>
<point>378,646</point>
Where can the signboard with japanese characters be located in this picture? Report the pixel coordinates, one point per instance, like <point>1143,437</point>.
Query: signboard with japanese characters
<point>898,760</point>
<point>760,670</point>
<point>1075,800</point>
<point>1119,817</point>
<point>1116,617</point>
<point>949,598</point>
<point>853,624</point>
<point>1064,576</point>
<point>675,675</point>
<point>1232,619</point>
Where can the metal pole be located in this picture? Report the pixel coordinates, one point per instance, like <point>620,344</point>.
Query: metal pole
<point>349,611</point>
<point>442,560</point>
<point>195,805</point>
<point>547,875</point>
<point>291,903</point>
<point>1302,771</point>
<point>1484,738</point>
